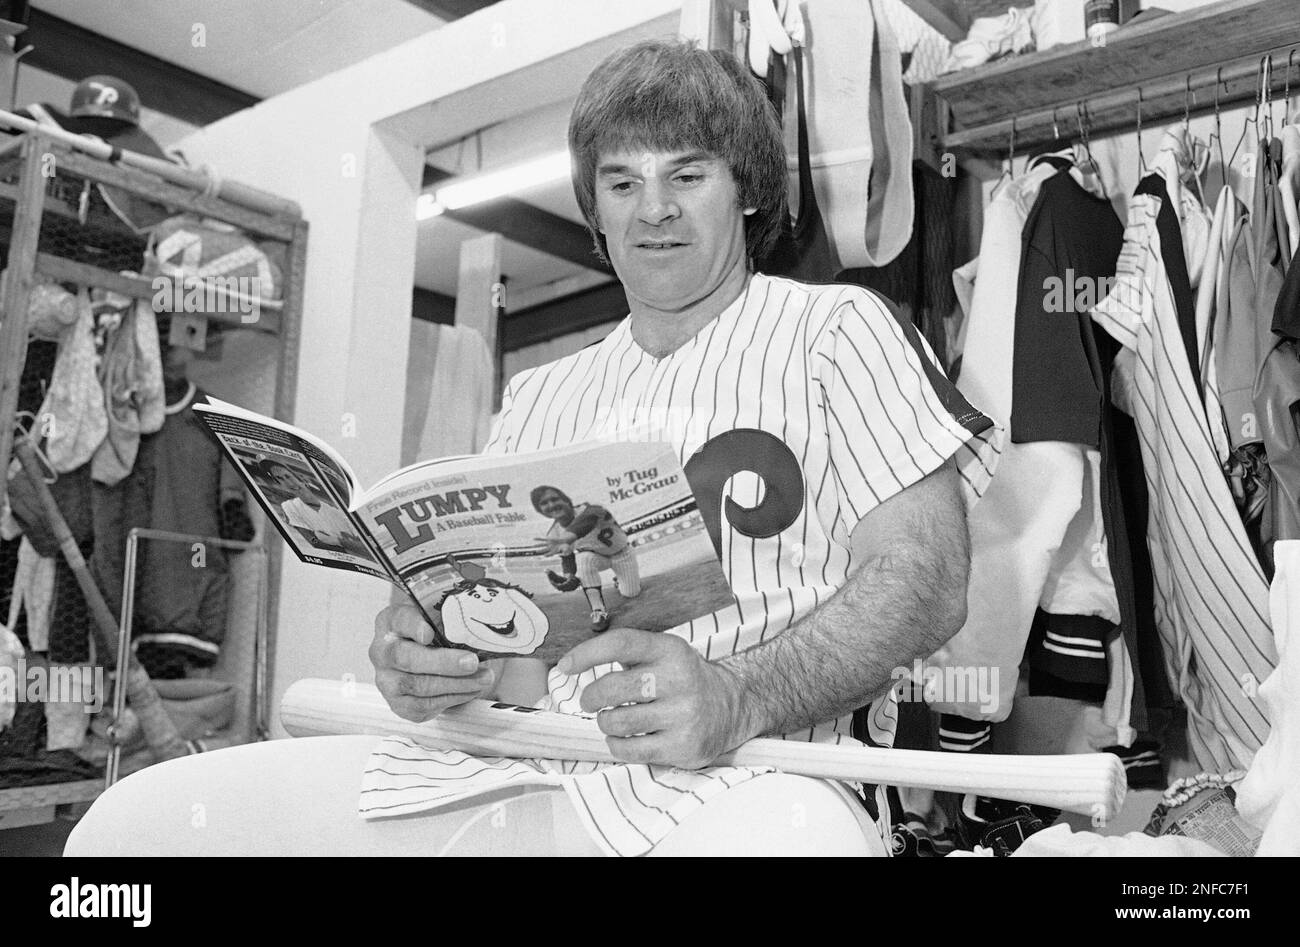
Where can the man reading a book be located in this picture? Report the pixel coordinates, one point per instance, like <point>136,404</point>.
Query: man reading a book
<point>830,437</point>
<point>830,457</point>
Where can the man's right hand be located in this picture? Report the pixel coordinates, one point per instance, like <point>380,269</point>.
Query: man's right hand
<point>418,679</point>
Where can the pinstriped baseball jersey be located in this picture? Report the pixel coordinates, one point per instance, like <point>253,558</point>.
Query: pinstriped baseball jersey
<point>795,412</point>
<point>1211,593</point>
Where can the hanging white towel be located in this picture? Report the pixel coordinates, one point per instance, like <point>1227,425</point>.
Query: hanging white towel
<point>449,392</point>
<point>72,417</point>
<point>859,130</point>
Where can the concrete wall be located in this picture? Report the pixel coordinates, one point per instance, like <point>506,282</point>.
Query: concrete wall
<point>349,148</point>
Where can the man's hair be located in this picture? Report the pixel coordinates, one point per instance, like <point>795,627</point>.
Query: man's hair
<point>671,95</point>
<point>268,467</point>
<point>536,496</point>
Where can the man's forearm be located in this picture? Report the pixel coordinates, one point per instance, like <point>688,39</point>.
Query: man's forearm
<point>906,599</point>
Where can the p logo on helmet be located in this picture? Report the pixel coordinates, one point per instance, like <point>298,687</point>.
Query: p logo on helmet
<point>105,97</point>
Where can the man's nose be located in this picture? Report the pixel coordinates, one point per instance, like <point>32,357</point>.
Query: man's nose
<point>657,204</point>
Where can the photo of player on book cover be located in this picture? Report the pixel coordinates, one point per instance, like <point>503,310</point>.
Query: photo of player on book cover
<point>295,495</point>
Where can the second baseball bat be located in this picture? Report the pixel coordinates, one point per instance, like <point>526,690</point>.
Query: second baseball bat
<point>1090,783</point>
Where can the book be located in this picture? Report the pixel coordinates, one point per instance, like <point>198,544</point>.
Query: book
<point>505,554</point>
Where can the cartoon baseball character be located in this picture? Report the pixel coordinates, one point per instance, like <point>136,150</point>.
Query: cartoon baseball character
<point>588,540</point>
<point>490,615</point>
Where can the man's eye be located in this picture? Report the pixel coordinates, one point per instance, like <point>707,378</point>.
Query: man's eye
<point>622,187</point>
<point>688,178</point>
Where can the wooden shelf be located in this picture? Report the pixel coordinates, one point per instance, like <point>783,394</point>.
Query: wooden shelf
<point>1159,56</point>
<point>49,794</point>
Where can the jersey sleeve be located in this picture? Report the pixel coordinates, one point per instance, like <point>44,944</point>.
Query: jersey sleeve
<point>892,416</point>
<point>1121,313</point>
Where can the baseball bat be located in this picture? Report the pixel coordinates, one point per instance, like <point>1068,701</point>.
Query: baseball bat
<point>160,733</point>
<point>1090,783</point>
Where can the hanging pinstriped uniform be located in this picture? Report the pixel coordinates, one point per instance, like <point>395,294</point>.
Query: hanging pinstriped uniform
<point>806,405</point>
<point>1211,594</point>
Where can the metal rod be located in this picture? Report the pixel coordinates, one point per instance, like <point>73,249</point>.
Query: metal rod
<point>232,191</point>
<point>128,619</point>
<point>123,650</point>
<point>1112,111</point>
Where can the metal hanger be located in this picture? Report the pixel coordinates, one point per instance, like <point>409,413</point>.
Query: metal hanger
<point>1008,173</point>
<point>1085,122</point>
<point>1266,95</point>
<point>1142,159</point>
<point>1254,120</point>
<point>1286,94</point>
<point>1218,125</point>
<point>1198,160</point>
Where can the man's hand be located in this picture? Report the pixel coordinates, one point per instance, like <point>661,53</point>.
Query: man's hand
<point>560,545</point>
<point>668,706</point>
<point>420,681</point>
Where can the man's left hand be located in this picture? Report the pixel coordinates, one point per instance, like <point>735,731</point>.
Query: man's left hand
<point>668,705</point>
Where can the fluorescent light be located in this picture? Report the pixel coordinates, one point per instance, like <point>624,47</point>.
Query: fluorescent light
<point>426,206</point>
<point>493,184</point>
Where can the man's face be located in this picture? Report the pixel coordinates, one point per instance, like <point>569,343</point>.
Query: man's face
<point>672,222</point>
<point>289,481</point>
<point>551,503</point>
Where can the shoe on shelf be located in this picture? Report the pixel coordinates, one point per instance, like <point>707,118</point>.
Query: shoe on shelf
<point>1000,824</point>
<point>599,620</point>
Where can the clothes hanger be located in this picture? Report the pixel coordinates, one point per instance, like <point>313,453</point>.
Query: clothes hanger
<point>1254,120</point>
<point>1197,153</point>
<point>1008,173</point>
<point>1218,125</point>
<point>1142,160</point>
<point>1085,123</point>
<point>1266,95</point>
<point>1056,147</point>
<point>1286,94</point>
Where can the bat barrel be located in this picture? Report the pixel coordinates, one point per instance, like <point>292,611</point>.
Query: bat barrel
<point>1093,784</point>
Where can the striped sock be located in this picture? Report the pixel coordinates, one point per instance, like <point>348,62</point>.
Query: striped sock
<point>962,735</point>
<point>1142,764</point>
